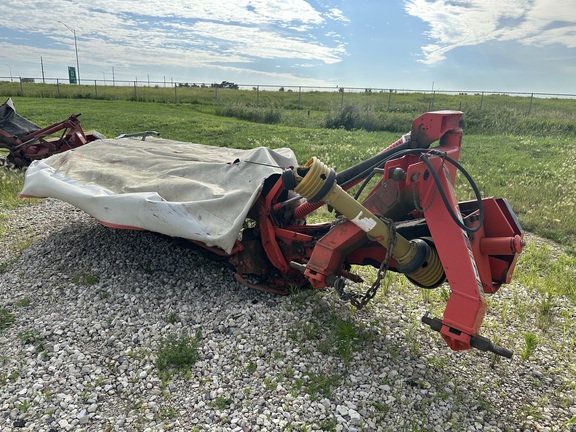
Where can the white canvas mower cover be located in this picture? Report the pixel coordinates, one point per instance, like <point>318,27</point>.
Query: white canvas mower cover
<point>185,190</point>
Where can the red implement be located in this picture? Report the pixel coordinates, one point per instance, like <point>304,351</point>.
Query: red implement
<point>476,242</point>
<point>26,142</point>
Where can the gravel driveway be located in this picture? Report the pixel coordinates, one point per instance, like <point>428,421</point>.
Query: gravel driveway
<point>92,305</point>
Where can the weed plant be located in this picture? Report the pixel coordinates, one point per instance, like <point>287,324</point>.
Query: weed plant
<point>531,342</point>
<point>6,319</point>
<point>221,402</point>
<point>177,352</point>
<point>32,337</point>
<point>24,302</point>
<point>85,279</point>
<point>173,318</point>
<point>317,384</point>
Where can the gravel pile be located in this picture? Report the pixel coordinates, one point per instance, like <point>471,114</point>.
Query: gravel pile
<point>93,306</point>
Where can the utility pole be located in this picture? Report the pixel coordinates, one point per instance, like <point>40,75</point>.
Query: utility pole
<point>42,66</point>
<point>76,50</point>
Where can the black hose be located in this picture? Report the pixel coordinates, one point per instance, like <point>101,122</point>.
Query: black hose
<point>364,168</point>
<point>442,192</point>
<point>437,181</point>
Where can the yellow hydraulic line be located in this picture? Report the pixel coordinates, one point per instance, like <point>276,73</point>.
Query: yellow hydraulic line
<point>425,268</point>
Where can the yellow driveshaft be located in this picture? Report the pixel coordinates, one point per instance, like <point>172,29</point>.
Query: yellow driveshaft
<point>316,182</point>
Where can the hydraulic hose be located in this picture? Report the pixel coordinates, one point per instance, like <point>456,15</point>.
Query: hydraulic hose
<point>355,174</point>
<point>358,171</point>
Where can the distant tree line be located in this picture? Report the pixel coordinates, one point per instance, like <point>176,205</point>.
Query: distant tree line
<point>223,84</point>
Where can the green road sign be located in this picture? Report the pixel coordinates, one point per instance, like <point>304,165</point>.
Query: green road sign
<point>72,74</point>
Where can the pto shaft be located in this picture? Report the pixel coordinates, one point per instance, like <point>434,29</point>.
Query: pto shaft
<point>316,182</point>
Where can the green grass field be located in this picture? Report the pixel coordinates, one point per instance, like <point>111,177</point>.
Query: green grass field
<point>534,172</point>
<point>491,114</point>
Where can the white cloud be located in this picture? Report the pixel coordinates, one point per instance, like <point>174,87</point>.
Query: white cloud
<point>455,24</point>
<point>268,45</point>
<point>337,14</point>
<point>208,33</point>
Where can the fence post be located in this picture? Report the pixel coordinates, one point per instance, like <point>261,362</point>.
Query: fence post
<point>481,101</point>
<point>175,94</point>
<point>58,86</point>
<point>300,97</point>
<point>389,97</point>
<point>21,88</point>
<point>95,89</point>
<point>531,99</point>
<point>135,90</point>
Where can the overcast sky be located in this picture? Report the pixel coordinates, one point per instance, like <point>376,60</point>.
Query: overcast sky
<point>492,45</point>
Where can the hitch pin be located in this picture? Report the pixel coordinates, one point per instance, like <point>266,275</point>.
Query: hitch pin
<point>484,344</point>
<point>479,342</point>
